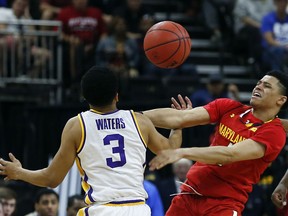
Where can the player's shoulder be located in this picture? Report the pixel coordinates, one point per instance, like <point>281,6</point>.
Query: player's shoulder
<point>142,119</point>
<point>73,122</point>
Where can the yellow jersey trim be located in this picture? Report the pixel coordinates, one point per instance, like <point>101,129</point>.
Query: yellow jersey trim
<point>125,204</point>
<point>82,132</point>
<point>138,128</point>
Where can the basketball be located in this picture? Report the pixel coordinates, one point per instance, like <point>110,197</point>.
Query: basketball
<point>167,44</point>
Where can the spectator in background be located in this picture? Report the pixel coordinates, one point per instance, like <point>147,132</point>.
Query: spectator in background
<point>8,197</point>
<point>50,8</point>
<point>154,199</point>
<point>46,203</point>
<point>274,29</point>
<point>171,186</point>
<point>83,26</point>
<point>247,22</point>
<point>17,43</point>
<point>215,88</point>
<point>133,12</point>
<point>107,6</point>
<point>118,52</point>
<point>75,203</point>
<point>218,17</point>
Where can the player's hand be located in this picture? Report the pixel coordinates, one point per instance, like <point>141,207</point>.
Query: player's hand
<point>279,196</point>
<point>163,158</point>
<point>10,169</point>
<point>183,104</point>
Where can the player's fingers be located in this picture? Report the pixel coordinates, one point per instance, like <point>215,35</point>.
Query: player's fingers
<point>277,199</point>
<point>188,102</point>
<point>175,103</point>
<point>3,162</point>
<point>6,178</point>
<point>2,170</point>
<point>155,163</point>
<point>12,157</point>
<point>182,101</point>
<point>284,201</point>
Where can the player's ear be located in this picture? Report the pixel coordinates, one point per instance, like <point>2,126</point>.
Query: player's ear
<point>117,97</point>
<point>282,100</point>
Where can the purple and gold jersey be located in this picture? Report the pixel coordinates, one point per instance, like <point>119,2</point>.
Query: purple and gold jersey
<point>111,158</point>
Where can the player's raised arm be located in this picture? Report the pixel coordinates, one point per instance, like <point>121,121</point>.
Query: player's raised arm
<point>156,141</point>
<point>172,118</point>
<point>54,174</point>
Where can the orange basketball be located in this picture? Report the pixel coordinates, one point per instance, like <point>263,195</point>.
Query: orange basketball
<point>167,44</point>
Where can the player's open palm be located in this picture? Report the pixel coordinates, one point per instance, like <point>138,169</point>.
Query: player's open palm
<point>10,169</point>
<point>163,158</point>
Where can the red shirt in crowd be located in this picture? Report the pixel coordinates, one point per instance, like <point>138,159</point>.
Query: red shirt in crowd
<point>87,25</point>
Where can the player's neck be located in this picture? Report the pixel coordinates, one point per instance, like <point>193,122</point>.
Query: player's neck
<point>264,116</point>
<point>104,109</point>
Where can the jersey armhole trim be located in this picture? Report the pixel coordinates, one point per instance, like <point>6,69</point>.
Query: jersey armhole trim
<point>83,132</point>
<point>137,127</point>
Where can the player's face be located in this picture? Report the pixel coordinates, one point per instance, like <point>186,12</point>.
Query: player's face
<point>19,7</point>
<point>80,4</point>
<point>267,93</point>
<point>78,204</point>
<point>48,205</point>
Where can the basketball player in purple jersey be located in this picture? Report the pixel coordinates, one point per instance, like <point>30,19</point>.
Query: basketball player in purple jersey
<point>109,146</point>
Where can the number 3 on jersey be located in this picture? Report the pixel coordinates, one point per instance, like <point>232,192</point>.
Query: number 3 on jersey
<point>116,150</point>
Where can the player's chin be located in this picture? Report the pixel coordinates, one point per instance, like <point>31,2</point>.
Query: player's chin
<point>254,100</point>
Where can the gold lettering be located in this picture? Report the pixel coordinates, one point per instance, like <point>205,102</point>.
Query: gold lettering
<point>223,131</point>
<point>236,139</point>
<point>230,134</point>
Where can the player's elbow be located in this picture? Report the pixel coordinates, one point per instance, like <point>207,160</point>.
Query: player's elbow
<point>51,180</point>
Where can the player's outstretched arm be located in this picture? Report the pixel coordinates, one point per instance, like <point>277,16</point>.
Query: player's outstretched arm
<point>278,196</point>
<point>178,118</point>
<point>54,174</point>
<point>244,150</point>
<point>156,141</point>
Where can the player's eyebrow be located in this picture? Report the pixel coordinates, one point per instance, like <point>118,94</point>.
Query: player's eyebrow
<point>264,82</point>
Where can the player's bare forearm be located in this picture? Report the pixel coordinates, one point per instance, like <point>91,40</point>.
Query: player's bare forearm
<point>175,138</point>
<point>208,155</point>
<point>172,118</point>
<point>247,150</point>
<point>164,117</point>
<point>40,178</point>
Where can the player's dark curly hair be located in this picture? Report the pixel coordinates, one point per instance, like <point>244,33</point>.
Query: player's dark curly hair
<point>99,86</point>
<point>283,83</point>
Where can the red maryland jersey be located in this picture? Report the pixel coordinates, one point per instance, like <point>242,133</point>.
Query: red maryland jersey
<point>235,123</point>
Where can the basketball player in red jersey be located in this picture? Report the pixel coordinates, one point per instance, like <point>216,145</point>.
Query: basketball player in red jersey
<point>247,139</point>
